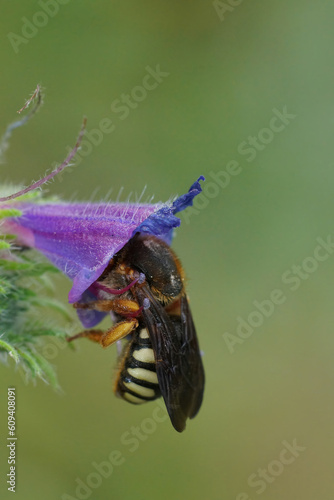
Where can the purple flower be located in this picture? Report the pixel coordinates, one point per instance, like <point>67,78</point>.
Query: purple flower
<point>81,238</point>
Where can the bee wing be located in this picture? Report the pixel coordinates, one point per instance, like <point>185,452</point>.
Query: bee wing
<point>178,361</point>
<point>192,365</point>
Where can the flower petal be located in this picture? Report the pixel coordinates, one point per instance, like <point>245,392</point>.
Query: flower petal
<point>81,238</point>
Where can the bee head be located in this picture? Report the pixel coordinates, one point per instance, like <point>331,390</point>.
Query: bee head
<point>161,267</point>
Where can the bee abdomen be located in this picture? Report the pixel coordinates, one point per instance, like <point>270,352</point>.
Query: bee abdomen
<point>137,380</point>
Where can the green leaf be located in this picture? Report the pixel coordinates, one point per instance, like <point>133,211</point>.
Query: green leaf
<point>29,268</point>
<point>10,349</point>
<point>24,289</point>
<point>9,212</point>
<point>30,359</point>
<point>4,245</point>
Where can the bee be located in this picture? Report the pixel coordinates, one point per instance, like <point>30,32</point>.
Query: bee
<point>143,286</point>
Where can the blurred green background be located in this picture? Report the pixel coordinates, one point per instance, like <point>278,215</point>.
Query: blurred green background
<point>227,72</point>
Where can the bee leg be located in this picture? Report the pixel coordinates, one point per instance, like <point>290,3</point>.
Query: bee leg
<point>119,306</point>
<point>94,335</point>
<point>118,331</point>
